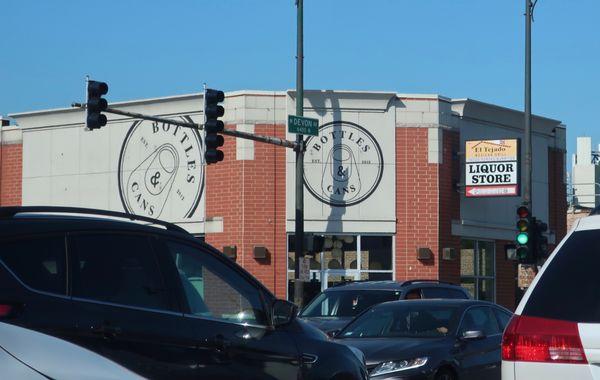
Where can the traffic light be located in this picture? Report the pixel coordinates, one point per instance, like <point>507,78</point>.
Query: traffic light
<point>212,125</point>
<point>524,235</point>
<point>541,241</point>
<point>94,119</point>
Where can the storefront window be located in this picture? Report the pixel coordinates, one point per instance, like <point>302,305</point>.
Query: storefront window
<point>477,269</point>
<point>345,258</point>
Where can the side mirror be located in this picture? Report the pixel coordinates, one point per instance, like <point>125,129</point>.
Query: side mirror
<point>283,312</point>
<point>333,333</point>
<point>473,335</point>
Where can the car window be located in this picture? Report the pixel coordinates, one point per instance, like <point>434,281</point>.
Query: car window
<point>214,289</point>
<point>347,303</point>
<point>439,292</point>
<point>569,288</point>
<point>404,320</point>
<point>38,262</point>
<point>502,317</point>
<point>479,319</point>
<point>121,269</point>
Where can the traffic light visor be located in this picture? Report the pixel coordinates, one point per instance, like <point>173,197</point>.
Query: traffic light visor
<point>522,253</point>
<point>523,212</point>
<point>214,96</point>
<point>96,88</point>
<point>522,225</point>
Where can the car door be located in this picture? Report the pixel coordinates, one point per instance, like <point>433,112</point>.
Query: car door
<point>125,307</point>
<point>479,358</point>
<point>226,314</point>
<point>35,287</point>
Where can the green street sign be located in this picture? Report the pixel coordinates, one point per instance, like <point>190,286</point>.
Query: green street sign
<point>303,125</point>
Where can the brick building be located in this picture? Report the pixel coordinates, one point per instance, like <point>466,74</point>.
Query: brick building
<point>384,182</point>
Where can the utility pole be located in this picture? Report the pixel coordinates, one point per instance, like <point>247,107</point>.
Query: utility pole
<point>299,234</point>
<point>527,198</point>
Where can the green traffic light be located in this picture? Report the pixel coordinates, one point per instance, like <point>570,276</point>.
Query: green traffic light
<point>522,238</point>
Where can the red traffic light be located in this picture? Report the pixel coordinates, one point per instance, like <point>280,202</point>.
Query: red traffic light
<point>523,212</point>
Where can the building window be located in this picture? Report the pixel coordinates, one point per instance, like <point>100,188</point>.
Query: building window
<point>345,258</point>
<point>477,268</point>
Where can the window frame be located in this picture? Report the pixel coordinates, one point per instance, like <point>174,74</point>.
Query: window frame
<point>29,237</point>
<point>497,310</point>
<point>319,274</point>
<point>161,242</point>
<point>490,308</point>
<point>72,255</point>
<point>476,277</point>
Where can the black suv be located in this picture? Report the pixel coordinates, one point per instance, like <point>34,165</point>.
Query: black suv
<point>154,299</point>
<point>333,308</point>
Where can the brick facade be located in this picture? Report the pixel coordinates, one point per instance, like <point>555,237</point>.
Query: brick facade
<point>449,200</point>
<point>557,194</point>
<point>250,197</point>
<point>506,277</point>
<point>417,205</point>
<point>11,162</point>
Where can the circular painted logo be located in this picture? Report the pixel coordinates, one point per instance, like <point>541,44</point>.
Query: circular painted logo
<point>161,170</point>
<point>343,165</point>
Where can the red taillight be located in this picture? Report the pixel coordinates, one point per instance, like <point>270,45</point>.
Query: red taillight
<point>533,339</point>
<point>5,310</point>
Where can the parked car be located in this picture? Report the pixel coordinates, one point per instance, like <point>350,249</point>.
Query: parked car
<point>429,339</point>
<point>154,299</point>
<point>555,332</point>
<point>333,308</point>
<point>26,354</point>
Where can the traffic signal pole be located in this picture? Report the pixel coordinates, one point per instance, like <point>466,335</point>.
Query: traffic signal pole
<point>527,172</point>
<point>230,132</point>
<point>299,233</point>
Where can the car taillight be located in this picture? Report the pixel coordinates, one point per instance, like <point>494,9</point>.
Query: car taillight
<point>5,310</point>
<point>533,339</point>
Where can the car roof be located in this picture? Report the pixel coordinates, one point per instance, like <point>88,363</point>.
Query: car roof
<point>42,219</point>
<point>591,222</point>
<point>389,285</point>
<point>463,303</point>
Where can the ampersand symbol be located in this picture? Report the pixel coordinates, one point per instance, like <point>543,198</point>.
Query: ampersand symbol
<point>341,171</point>
<point>154,179</point>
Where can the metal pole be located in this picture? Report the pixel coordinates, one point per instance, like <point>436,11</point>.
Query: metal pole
<point>230,132</point>
<point>527,199</point>
<point>299,234</point>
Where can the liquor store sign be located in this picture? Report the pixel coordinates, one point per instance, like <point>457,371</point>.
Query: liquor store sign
<point>492,168</point>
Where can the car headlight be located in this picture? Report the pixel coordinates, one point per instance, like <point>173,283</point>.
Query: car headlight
<point>398,365</point>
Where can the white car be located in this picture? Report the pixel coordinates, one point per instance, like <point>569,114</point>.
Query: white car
<point>30,355</point>
<point>555,331</point>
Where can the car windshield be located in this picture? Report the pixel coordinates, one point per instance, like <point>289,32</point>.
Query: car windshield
<point>347,303</point>
<point>404,319</point>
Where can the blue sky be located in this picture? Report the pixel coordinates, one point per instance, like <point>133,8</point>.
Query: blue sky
<point>457,48</point>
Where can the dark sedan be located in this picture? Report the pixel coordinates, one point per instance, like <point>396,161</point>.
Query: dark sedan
<point>429,339</point>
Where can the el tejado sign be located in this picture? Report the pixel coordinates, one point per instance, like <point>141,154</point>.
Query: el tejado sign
<point>492,168</point>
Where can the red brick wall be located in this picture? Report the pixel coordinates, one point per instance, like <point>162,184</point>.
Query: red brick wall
<point>416,205</point>
<point>251,201</point>
<point>449,176</point>
<point>506,272</point>
<point>11,163</point>
<point>557,194</point>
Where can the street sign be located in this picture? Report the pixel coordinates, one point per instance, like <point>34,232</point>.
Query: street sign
<point>303,125</point>
<point>526,274</point>
<point>304,268</point>
<point>491,191</point>
<point>492,168</point>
